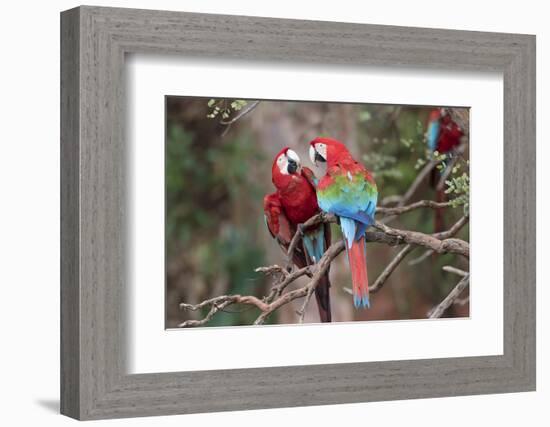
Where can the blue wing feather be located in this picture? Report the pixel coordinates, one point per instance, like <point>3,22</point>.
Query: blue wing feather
<point>432,134</point>
<point>355,201</point>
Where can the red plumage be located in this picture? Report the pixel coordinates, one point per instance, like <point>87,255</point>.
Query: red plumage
<point>348,190</point>
<point>449,134</point>
<point>449,137</point>
<point>292,204</point>
<point>296,192</point>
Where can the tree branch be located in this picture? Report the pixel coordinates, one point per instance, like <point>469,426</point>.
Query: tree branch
<point>401,200</point>
<point>449,300</point>
<point>320,269</point>
<point>377,285</point>
<point>438,242</point>
<point>454,270</point>
<point>398,210</point>
<point>239,116</point>
<point>279,288</point>
<point>302,312</point>
<point>422,257</point>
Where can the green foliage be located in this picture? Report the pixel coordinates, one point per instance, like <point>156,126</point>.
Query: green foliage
<point>224,107</point>
<point>364,115</point>
<point>414,141</point>
<point>392,136</point>
<point>233,256</point>
<point>382,165</point>
<point>459,187</point>
<point>207,186</point>
<point>203,182</point>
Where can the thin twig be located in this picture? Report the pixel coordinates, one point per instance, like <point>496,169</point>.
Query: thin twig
<point>218,304</point>
<point>379,282</point>
<point>402,200</point>
<point>279,288</point>
<point>418,181</point>
<point>440,309</point>
<point>390,200</point>
<point>422,257</point>
<point>241,114</point>
<point>302,311</point>
<point>398,210</point>
<point>454,270</point>
<point>455,228</point>
<point>462,301</point>
<point>322,266</point>
<point>413,187</point>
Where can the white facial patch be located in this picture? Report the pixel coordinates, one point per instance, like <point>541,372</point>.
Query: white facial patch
<point>312,155</point>
<point>282,164</point>
<point>318,148</point>
<point>293,156</point>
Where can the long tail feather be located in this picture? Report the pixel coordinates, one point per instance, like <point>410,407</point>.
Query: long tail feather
<point>322,295</point>
<point>359,278</point>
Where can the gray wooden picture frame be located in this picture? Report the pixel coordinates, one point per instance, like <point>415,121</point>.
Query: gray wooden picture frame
<point>94,41</point>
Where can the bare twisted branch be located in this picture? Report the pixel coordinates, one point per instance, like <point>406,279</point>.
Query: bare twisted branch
<point>438,242</point>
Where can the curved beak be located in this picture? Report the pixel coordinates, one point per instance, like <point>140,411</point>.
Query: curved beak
<point>292,166</point>
<point>315,156</point>
<point>292,161</point>
<point>312,155</point>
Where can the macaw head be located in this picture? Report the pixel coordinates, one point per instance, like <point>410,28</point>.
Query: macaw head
<point>286,164</point>
<point>327,150</point>
<point>436,114</point>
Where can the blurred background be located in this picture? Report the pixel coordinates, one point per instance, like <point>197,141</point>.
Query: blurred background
<point>218,174</point>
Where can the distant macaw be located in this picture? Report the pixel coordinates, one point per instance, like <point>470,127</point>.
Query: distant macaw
<point>347,190</point>
<point>443,135</point>
<point>291,205</point>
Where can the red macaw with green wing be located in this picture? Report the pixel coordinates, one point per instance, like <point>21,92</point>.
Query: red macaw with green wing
<point>348,191</point>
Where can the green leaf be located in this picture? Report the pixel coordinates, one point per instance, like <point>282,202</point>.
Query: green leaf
<point>364,116</point>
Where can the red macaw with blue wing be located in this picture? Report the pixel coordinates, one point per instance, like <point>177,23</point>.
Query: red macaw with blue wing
<point>443,136</point>
<point>291,205</point>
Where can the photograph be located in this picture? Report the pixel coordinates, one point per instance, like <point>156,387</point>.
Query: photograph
<point>288,212</point>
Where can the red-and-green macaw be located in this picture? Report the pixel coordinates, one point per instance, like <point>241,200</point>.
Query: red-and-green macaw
<point>443,135</point>
<point>348,191</point>
<point>291,205</point>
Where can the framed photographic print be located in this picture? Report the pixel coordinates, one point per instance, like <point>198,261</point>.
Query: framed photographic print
<point>343,212</point>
